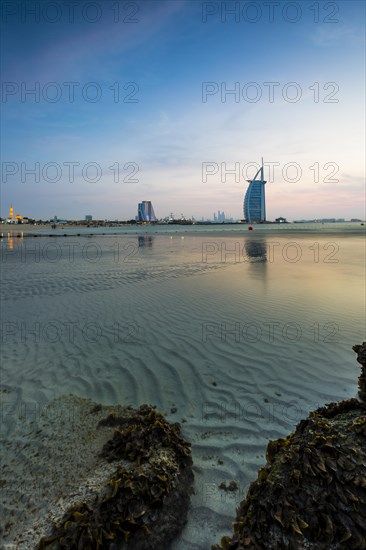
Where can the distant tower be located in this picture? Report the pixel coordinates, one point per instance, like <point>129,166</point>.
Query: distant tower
<point>11,212</point>
<point>255,200</point>
<point>146,212</point>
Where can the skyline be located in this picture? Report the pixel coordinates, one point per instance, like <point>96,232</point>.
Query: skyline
<point>174,98</point>
<point>218,218</point>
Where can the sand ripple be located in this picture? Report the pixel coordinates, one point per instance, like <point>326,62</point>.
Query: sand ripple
<point>192,338</point>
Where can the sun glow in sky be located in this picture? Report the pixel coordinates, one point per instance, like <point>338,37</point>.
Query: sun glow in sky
<point>106,104</point>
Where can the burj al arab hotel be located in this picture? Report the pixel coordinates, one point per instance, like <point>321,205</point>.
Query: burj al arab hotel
<point>255,200</point>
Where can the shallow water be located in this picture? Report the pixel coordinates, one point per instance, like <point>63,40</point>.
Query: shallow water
<point>241,332</point>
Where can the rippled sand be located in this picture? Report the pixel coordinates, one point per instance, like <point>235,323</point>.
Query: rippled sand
<point>237,337</point>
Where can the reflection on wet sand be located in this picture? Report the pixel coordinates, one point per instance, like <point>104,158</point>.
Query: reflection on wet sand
<point>10,241</point>
<point>145,240</point>
<point>256,250</point>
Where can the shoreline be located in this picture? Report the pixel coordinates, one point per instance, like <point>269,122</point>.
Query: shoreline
<point>233,390</point>
<point>76,444</point>
<point>229,230</point>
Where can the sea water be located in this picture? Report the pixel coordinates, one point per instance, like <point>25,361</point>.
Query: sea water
<point>236,334</point>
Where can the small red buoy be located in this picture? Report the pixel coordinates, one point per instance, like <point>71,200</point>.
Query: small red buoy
<point>250,228</point>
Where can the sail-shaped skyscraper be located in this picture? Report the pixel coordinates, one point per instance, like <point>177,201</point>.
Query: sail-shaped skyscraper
<point>255,200</point>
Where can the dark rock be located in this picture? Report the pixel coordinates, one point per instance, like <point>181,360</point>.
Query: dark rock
<point>311,494</point>
<point>233,486</point>
<point>144,505</point>
<point>361,358</point>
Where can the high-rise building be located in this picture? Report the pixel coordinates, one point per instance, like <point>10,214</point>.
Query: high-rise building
<point>255,200</point>
<point>220,218</point>
<point>145,212</point>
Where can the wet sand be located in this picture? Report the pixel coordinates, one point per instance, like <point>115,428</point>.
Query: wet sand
<point>238,351</point>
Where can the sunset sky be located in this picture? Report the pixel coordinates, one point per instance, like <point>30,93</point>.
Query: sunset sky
<point>144,86</point>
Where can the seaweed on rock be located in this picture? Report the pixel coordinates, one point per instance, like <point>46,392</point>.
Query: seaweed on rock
<point>361,358</point>
<point>143,506</point>
<point>311,494</point>
<point>142,434</point>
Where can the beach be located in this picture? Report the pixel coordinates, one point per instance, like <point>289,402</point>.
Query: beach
<point>237,335</point>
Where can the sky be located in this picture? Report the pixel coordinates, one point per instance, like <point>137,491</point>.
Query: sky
<point>106,104</point>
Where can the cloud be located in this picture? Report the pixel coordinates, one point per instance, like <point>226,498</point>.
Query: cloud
<point>337,34</point>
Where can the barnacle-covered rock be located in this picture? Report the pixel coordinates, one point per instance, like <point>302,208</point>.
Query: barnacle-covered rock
<point>311,494</point>
<point>361,358</point>
<point>144,504</point>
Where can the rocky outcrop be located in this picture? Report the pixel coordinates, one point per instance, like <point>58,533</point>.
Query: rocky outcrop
<point>361,358</point>
<point>144,504</point>
<point>311,494</point>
